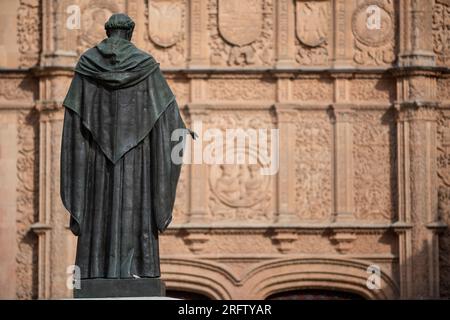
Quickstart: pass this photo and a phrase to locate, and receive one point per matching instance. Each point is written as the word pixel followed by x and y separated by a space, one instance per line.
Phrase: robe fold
pixel 118 180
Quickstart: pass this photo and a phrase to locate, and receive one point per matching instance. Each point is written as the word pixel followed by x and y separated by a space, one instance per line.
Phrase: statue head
pixel 120 25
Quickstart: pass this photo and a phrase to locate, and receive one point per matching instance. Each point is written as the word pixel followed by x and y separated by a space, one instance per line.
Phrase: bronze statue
pixel 118 181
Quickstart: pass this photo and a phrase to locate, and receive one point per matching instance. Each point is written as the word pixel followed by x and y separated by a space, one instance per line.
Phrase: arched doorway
pixel 314 294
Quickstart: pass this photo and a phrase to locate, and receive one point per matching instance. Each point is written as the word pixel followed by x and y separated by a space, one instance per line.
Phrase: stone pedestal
pixel 120 288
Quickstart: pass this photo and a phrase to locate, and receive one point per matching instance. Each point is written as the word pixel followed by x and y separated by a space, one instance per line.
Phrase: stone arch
pixel 203 277
pixel 345 275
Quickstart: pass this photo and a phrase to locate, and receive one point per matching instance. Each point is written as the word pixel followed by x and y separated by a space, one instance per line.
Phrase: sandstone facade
pixel 364 120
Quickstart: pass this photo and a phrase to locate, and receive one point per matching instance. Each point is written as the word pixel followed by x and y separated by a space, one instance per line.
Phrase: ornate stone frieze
pixel 313 156
pixel 441 31
pixel 241 89
pixel 320 89
pixel 443 89
pixel 17 89
pixel 443 164
pixel 374 137
pixel 372 89
pixel 29 32
pixel 424 113
pixel 27 205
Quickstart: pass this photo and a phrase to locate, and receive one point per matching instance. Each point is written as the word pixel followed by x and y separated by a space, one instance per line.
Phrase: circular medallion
pixel 373 24
pixel 240 185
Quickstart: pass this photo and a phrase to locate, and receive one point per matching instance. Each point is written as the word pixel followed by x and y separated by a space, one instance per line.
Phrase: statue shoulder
pixel 88 55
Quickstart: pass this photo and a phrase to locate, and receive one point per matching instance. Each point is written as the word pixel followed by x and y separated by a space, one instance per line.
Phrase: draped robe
pixel 118 181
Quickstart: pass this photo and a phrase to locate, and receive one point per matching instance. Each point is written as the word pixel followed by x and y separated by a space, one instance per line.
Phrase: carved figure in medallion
pixel 227 185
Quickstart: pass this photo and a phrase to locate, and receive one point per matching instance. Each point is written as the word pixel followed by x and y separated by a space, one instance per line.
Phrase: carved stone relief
pixel 313 154
pixel 444 166
pixel 313 23
pixel 443 89
pixel 181 202
pixel 180 88
pixel 59 87
pixel 374 40
pixel 94 14
pixel 28 32
pixel 374 160
pixel 241 32
pixel 241 89
pixel 441 31
pixel 239 191
pixel 27 205
pixel 166 29
pixel 314 89
pixel 372 89
pixel 419 88
pixel 22 89
pixel 443 162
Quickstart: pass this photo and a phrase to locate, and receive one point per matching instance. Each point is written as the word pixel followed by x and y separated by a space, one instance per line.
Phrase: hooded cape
pixel 117 178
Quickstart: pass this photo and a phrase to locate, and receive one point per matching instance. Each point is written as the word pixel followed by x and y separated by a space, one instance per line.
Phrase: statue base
pixel 115 288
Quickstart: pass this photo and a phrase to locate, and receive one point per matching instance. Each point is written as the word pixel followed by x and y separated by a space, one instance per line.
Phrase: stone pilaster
pixel 59 54
pixel 8 216
pixel 55 240
pixel 342 10
pixel 343 151
pixel 416 47
pixel 285 34
pixel 58 42
pixel 198 196
pixel 343 164
pixel 198 36
pixel 286 180
pixel 56 243
pixel 416 153
pixel 418 201
pixel 417 180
